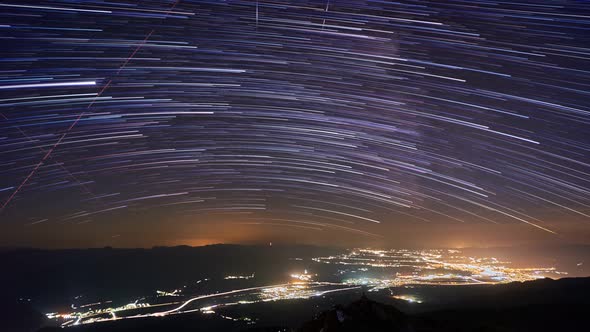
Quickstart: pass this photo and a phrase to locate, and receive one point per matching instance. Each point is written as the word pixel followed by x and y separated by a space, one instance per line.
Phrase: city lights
pixel 373 270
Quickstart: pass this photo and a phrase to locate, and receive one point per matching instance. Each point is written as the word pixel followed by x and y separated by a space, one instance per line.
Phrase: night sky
pixel 426 123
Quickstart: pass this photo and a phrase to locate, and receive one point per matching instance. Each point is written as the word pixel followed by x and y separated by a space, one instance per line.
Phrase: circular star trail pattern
pixel 302 115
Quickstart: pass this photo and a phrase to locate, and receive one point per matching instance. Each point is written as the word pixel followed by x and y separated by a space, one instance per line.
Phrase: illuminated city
pixel 430 267
pixel 372 270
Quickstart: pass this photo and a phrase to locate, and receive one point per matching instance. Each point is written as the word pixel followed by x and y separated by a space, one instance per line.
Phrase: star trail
pixel 311 117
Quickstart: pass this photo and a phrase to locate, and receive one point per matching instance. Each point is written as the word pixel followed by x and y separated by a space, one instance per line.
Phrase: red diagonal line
pixel 100 93
pixel 56 161
pixel 136 49
pixel 40 163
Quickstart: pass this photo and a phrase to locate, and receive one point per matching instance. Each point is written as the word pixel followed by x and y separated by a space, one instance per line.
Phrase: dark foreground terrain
pixel 542 305
pixel 38 281
pixel 368 315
